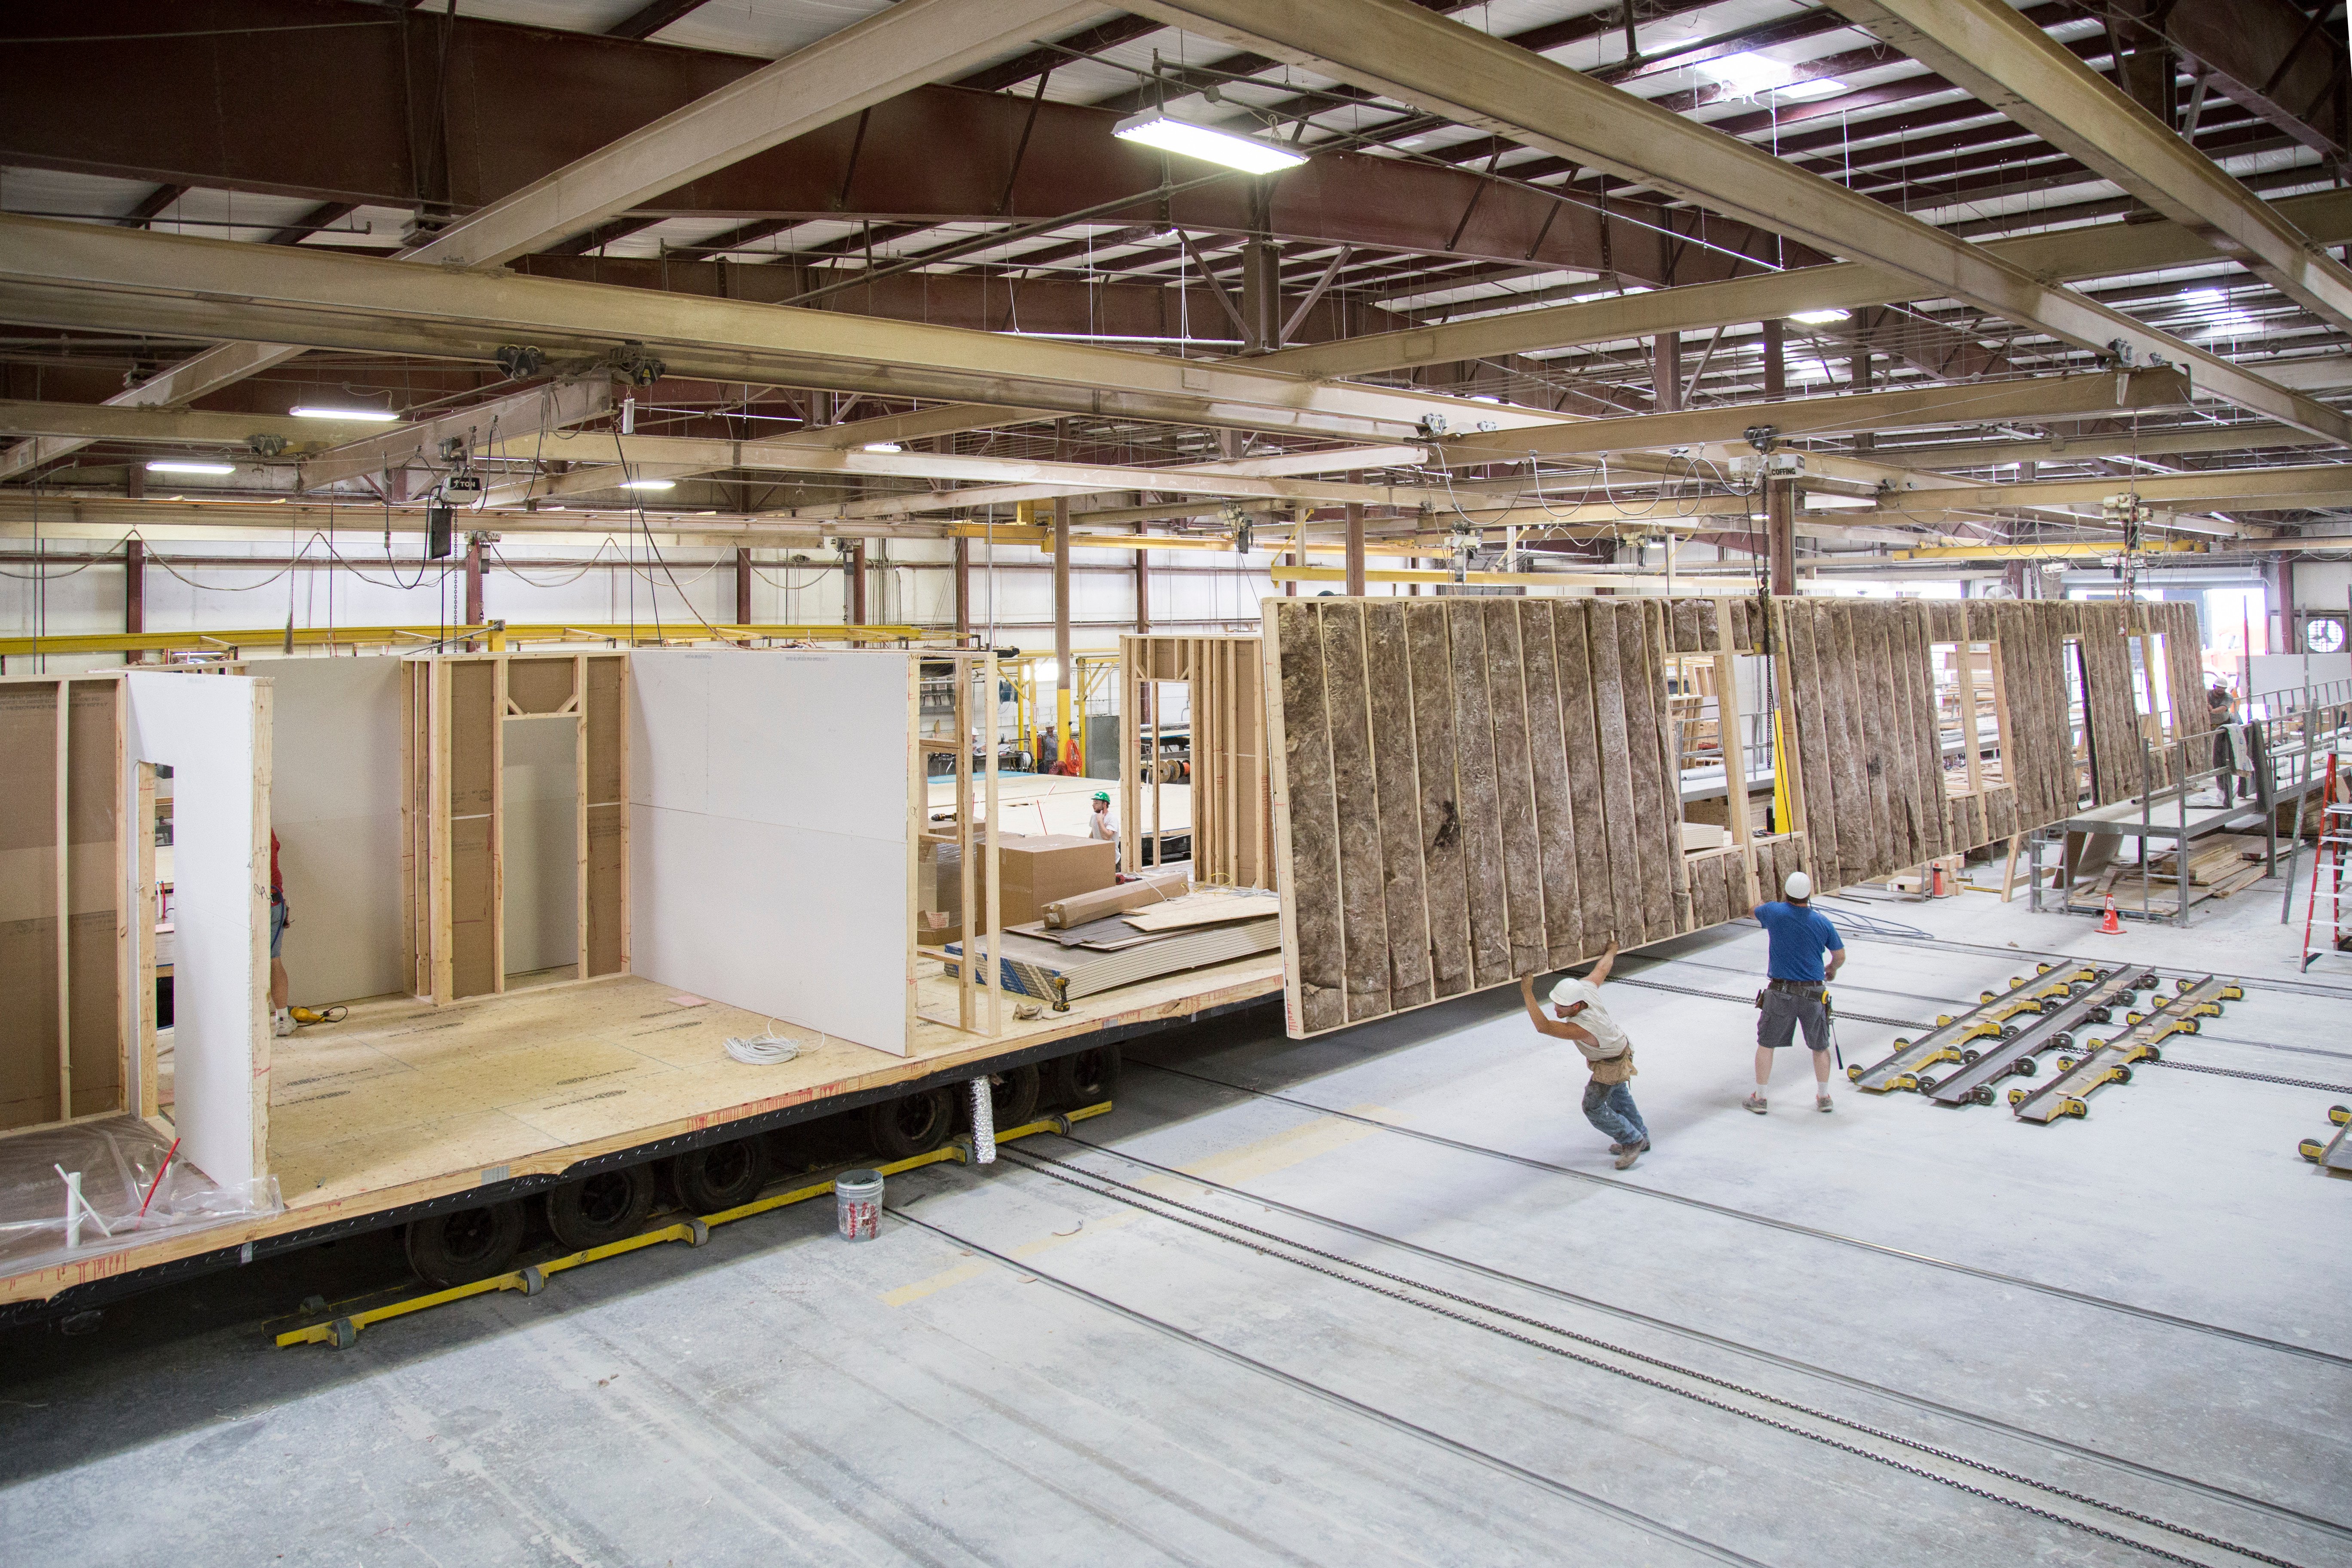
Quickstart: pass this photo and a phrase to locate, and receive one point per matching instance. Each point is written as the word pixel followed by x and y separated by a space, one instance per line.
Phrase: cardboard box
pixel 1037 868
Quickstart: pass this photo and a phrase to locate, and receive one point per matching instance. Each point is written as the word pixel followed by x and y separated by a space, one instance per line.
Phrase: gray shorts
pixel 1783 1011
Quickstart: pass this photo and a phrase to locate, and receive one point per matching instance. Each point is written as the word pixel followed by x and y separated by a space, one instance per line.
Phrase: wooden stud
pixel 1515 787
pixel 1731 726
pixel 1355 791
pixel 1563 932
pixel 1396 762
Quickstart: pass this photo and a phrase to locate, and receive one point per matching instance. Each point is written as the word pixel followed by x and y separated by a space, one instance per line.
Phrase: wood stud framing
pixel 972 831
pixel 456 709
pixel 66 977
pixel 1468 789
pixel 1233 834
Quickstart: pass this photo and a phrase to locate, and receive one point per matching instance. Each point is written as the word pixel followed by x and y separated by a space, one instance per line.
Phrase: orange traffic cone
pixel 2110 925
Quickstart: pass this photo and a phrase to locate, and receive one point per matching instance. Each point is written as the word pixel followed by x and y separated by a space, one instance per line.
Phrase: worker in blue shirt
pixel 1798 990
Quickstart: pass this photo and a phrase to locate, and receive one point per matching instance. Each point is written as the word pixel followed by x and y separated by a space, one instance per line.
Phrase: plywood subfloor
pixel 401 1092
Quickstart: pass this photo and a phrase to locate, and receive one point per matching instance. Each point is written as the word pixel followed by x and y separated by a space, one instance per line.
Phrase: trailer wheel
pixel 1013 1097
pixel 465 1245
pixel 604 1208
pixel 912 1124
pixel 1983 1095
pixel 721 1175
pixel 2023 1067
pixel 1083 1078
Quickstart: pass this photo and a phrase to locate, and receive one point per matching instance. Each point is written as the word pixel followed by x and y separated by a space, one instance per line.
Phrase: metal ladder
pixel 2327 887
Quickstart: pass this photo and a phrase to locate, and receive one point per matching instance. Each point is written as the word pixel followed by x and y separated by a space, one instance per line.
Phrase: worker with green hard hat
pixel 1101 825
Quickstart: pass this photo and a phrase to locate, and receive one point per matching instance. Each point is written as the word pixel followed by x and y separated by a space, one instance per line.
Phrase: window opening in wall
pixel 2078 720
pixel 2152 689
pixel 1970 716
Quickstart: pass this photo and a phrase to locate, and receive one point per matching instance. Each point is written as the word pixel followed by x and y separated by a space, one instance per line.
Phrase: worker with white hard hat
pixel 1797 991
pixel 1577 1016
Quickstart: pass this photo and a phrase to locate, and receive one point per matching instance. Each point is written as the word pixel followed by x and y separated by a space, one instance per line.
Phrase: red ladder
pixel 2327 874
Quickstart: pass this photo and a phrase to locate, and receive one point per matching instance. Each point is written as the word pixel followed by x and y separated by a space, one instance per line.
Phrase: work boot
pixel 1822 1101
pixel 1755 1102
pixel 1632 1152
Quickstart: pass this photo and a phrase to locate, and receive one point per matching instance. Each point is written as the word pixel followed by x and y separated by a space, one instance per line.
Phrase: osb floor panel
pixel 402 1091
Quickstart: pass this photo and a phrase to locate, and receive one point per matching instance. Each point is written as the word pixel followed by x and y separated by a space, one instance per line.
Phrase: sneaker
pixel 1755 1102
pixel 1821 1103
pixel 1632 1152
pixel 281 1024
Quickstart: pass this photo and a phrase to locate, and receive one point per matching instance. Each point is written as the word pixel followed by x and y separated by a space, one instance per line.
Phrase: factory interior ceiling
pixel 1967 277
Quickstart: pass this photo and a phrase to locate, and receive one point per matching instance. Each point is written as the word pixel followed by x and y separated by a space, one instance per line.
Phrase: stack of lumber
pixel 2224 864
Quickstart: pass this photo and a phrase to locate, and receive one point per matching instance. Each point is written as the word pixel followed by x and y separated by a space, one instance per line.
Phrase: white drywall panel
pixel 540 836
pixel 335 806
pixel 768 834
pixel 213 732
pixel 2288 672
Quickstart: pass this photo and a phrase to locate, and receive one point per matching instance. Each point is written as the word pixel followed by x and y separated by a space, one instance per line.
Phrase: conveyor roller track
pixel 2111 991
pixel 2111 1061
pixel 1949 1040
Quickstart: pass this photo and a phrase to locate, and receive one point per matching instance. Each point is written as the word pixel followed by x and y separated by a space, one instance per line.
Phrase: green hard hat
pixel 1102 796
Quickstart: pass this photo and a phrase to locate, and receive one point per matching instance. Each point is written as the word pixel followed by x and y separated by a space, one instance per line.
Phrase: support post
pixel 1775 358
pixel 474 580
pixel 1142 589
pixel 962 590
pixel 857 583
pixel 742 585
pixel 1355 542
pixel 1061 628
pixel 1780 533
pixel 134 594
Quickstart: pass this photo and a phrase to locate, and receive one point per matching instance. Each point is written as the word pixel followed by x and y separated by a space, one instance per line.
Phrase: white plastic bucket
pixel 857 1204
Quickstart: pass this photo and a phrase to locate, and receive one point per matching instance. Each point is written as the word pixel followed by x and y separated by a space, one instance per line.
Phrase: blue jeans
pixel 1610 1106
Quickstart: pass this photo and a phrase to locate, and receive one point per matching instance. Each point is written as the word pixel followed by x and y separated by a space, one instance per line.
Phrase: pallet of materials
pixel 2219 865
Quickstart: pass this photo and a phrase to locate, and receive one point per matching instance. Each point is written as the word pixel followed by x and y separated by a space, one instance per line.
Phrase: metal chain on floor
pixel 2255 1077
pixel 1040 1162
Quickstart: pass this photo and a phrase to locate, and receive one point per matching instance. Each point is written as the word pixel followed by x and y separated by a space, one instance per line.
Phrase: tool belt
pixel 1817 990
pixel 1618 1069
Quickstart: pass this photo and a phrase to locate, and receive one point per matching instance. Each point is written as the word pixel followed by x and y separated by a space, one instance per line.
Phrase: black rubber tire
pixel 2122 1073
pixel 2101 1016
pixel 720 1175
pixel 1082 1077
pixel 2023 1067
pixel 465 1245
pixel 1983 1095
pixel 1967 1058
pixel 1927 1086
pixel 912 1124
pixel 1013 1097
pixel 604 1207
pixel 2009 1031
pixel 2194 1026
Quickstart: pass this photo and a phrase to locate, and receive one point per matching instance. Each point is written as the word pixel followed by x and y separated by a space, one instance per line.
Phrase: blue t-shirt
pixel 1800 937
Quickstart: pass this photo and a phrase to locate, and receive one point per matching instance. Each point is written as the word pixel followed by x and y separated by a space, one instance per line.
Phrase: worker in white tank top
pixel 1579 1017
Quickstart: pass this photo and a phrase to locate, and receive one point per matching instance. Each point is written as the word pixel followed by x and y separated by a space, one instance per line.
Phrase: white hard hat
pixel 1798 887
pixel 1568 992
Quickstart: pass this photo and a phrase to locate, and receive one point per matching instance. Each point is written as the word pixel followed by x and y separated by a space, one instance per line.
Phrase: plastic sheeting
pixel 118 1159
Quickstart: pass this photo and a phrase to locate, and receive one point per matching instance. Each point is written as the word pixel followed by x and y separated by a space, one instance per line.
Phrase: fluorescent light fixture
pixel 1819 318
pixel 371 416
pixel 2206 297
pixel 881 446
pixel 649 484
pixel 1830 500
pixel 1813 87
pixel 172 466
pixel 1155 127
pixel 1750 75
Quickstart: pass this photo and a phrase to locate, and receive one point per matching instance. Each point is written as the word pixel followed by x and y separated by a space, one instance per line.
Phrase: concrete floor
pixel 779 1396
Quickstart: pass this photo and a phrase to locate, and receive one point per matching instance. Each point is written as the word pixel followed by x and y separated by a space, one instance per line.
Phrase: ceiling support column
pixel 1780 533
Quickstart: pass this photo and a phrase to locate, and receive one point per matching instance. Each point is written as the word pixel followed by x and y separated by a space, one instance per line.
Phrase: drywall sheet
pixel 335 808
pixel 768 820
pixel 214 733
